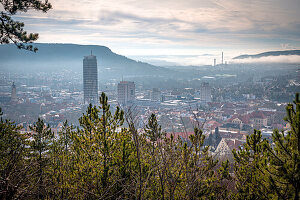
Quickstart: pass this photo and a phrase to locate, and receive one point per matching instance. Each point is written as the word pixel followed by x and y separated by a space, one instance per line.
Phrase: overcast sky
pixel 171 27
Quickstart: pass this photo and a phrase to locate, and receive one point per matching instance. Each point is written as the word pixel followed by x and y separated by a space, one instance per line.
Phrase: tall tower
pixel 90 79
pixel 126 92
pixel 13 92
pixel 222 58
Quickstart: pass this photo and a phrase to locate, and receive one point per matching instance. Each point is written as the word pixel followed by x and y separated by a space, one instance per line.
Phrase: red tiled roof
pixel 259 115
pixel 244 118
pixel 233 144
pixel 181 134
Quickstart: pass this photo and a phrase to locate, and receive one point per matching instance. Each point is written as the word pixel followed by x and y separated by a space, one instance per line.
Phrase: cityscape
pixel 173 99
pixel 231 111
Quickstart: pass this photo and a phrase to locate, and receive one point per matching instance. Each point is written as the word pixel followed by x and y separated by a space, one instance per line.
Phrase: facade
pixel 155 95
pixel 90 79
pixel 205 92
pixel 13 93
pixel 126 92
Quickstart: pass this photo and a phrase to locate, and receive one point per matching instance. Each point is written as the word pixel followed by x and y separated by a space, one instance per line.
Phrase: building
pixel 14 93
pixel 90 79
pixel 155 95
pixel 205 92
pixel 258 120
pixel 126 92
pixel 222 58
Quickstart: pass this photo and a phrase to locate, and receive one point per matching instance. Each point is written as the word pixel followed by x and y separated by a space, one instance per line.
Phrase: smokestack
pixel 222 58
pixel 215 62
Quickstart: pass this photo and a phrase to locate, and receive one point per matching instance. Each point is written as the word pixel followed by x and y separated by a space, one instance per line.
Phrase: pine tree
pixel 95 147
pixel 157 171
pixel 13 31
pixel 61 163
pixel 42 137
pixel 284 157
pixel 249 165
pixel 14 169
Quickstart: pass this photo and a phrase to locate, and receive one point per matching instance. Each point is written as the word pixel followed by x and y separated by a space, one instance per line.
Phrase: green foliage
pixel 13 166
pixel 284 157
pixel 61 163
pixel 271 171
pixel 249 168
pixel 97 152
pixel 13 31
pixel 103 160
pixel 42 137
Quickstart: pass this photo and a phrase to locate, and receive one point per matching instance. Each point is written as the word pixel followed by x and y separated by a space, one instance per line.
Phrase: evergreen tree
pixel 284 157
pixel 95 147
pixel 157 171
pixel 13 31
pixel 249 166
pixel 41 140
pixel 14 172
pixel 61 163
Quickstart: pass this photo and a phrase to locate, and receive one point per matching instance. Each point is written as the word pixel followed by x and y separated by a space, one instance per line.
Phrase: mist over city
pixel 149 99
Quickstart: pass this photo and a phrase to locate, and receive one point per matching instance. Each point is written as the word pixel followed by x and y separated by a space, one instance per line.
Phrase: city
pixel 173 99
pixel 232 111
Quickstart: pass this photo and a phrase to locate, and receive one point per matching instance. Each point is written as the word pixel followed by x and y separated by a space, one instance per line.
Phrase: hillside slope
pixel 53 57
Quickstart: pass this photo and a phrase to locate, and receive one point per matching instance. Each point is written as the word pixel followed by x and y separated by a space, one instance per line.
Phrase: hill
pixel 270 53
pixel 53 57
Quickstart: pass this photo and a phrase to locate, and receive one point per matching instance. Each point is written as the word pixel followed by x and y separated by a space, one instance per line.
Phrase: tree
pixel 284 156
pixel 42 137
pixel 249 168
pixel 61 163
pixel 13 31
pixel 97 147
pixel 13 167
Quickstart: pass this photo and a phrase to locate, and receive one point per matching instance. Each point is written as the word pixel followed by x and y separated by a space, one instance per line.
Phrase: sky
pixel 182 32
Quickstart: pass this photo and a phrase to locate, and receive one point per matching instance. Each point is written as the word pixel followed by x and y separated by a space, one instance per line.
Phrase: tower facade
pixel 126 92
pixel 90 79
pixel 222 58
pixel 13 92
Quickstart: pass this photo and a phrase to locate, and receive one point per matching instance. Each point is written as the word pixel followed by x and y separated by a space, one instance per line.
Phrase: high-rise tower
pixel 13 92
pixel 90 79
pixel 222 58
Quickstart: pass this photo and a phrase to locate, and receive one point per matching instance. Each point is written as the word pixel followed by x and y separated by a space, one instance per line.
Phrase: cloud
pixel 293 59
pixel 218 24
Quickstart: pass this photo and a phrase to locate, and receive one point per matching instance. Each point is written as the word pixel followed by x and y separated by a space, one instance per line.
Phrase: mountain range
pixel 270 53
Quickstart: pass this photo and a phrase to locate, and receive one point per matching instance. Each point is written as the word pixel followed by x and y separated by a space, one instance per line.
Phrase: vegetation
pixel 102 160
pixel 13 31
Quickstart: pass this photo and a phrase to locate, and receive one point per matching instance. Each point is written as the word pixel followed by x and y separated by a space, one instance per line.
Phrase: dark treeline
pixel 101 160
